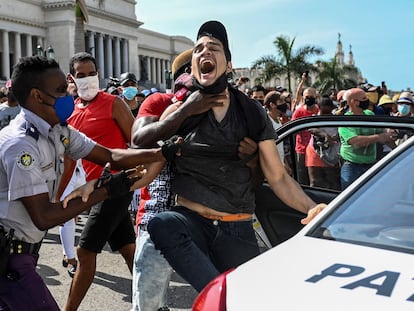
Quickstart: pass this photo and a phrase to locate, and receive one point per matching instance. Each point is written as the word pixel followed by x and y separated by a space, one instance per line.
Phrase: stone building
pixel 108 29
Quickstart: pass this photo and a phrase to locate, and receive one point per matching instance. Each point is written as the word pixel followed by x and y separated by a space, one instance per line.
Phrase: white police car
pixel 357 254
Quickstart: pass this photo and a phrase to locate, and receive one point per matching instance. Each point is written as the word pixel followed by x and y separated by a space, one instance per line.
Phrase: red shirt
pixel 96 121
pixel 154 105
pixel 303 137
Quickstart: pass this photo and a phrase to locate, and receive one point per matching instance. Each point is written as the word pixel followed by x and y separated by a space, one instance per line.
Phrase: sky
pixel 381 32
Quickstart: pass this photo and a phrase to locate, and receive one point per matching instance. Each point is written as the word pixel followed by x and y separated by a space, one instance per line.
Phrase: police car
pixel 357 254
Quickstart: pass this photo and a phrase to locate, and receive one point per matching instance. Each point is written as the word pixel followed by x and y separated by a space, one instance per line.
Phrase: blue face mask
pixel 130 92
pixel 404 109
pixel 64 106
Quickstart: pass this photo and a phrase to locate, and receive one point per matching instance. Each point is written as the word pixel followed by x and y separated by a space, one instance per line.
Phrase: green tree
pixel 289 62
pixel 332 75
pixel 81 13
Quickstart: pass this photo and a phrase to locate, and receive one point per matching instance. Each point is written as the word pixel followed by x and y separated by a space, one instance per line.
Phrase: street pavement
pixel 111 288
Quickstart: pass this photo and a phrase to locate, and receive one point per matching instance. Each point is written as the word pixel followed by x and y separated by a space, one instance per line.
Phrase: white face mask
pixel 88 87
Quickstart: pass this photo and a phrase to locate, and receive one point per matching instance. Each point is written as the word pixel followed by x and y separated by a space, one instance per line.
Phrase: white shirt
pixel 30 150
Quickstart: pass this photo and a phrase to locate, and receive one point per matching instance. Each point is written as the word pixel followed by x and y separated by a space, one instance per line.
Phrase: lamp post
pixel 39 50
pixel 168 79
pixel 49 53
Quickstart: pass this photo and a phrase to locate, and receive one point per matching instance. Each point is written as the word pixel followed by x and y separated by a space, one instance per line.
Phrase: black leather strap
pixel 20 247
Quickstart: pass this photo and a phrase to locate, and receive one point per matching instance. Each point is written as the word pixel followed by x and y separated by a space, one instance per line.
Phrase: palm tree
pixel 81 13
pixel 287 61
pixel 333 75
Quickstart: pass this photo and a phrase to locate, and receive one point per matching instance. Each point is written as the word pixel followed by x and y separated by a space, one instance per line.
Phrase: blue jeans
pixel 151 276
pixel 199 249
pixel 351 171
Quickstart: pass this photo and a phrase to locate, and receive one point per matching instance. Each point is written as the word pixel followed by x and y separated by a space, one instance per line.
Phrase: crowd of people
pixel 186 163
pixel 334 157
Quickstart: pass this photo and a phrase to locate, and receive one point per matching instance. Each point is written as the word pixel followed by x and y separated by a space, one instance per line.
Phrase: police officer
pixel 30 151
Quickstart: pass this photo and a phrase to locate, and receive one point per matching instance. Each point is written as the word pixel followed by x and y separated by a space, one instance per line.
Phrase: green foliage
pixel 331 75
pixel 287 60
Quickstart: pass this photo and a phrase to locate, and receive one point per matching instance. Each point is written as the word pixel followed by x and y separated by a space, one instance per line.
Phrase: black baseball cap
pixel 127 76
pixel 216 30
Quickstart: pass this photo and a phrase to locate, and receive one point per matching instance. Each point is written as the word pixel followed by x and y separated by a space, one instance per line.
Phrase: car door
pixel 279 221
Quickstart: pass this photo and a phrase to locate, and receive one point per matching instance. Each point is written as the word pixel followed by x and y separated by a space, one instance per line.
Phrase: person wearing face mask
pixel 129 90
pixel 276 107
pixel 258 93
pixel 359 145
pixel 108 120
pixel 306 109
pixel 30 170
pixel 405 104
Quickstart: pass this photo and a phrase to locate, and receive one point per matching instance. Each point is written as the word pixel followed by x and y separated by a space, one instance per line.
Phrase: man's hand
pixel 247 148
pixel 84 192
pixel 171 147
pixel 113 182
pixel 198 103
pixel 313 212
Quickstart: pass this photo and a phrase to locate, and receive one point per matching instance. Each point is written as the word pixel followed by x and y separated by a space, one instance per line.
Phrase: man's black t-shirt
pixel 209 170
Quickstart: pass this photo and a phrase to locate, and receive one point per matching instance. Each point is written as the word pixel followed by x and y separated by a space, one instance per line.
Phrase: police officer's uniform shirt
pixel 30 150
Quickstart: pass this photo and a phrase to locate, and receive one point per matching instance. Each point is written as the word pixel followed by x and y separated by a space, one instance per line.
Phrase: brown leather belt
pixel 229 218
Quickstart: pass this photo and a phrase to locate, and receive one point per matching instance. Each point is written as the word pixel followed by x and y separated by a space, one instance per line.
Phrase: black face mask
pixel 364 104
pixel 216 88
pixel 310 101
pixel 282 108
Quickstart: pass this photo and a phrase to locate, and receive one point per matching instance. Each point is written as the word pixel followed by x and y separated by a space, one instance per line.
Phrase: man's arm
pixel 46 215
pixel 69 166
pixel 123 117
pixel 146 176
pixel 196 103
pixel 299 90
pixel 284 186
pixel 382 138
pixel 124 158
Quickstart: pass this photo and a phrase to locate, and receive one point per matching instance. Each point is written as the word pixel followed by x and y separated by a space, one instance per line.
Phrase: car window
pixel 324 157
pixel 381 212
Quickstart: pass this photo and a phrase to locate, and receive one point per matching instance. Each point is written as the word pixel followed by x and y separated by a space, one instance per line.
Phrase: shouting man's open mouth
pixel 207 66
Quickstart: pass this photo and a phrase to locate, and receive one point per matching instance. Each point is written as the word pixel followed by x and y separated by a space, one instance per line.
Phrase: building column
pixel 153 71
pixel 17 47
pixel 101 56
pixel 117 57
pixel 139 68
pixel 168 68
pixel 5 60
pixel 158 70
pixel 29 45
pixel 149 68
pixel 162 72
pixel 108 57
pixel 125 66
pixel 91 43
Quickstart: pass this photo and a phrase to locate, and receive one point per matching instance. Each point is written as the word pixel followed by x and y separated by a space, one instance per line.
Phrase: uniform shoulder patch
pixel 25 160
